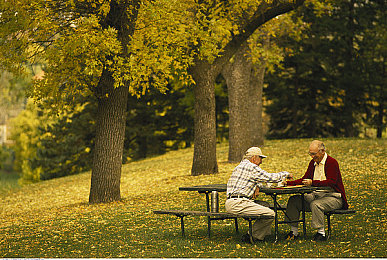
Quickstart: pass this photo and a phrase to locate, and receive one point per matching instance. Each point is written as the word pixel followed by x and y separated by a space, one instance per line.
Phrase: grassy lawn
pixel 52 219
pixel 8 181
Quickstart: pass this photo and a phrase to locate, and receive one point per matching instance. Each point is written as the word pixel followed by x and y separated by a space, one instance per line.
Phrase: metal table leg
pixel 208 218
pixel 329 224
pixel 207 202
pixel 182 224
pixel 236 225
pixel 275 218
pixel 251 231
pixel 303 214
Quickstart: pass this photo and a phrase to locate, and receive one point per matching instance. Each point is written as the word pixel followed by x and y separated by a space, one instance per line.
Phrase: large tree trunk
pixel 257 82
pixel 257 87
pixel 111 117
pixel 204 160
pixel 244 86
pixel 109 142
pixel 237 75
pixel 205 138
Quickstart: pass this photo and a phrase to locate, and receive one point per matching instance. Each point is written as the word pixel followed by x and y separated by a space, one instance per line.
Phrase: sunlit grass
pixel 53 219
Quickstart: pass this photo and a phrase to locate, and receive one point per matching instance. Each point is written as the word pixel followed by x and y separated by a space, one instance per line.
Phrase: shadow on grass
pixel 8 181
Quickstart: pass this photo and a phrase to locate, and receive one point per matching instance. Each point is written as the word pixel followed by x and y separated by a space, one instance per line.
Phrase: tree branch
pixel 264 13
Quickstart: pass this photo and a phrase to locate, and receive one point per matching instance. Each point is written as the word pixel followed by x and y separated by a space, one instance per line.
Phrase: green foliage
pixel 160 46
pixel 71 39
pixel 8 181
pixel 26 133
pixel 221 109
pixel 12 95
pixel 12 90
pixel 266 43
pixel 75 64
pixel 65 145
pixel 373 53
pixel 49 146
pixel 52 219
pixel 321 90
pixel 68 37
pixel 5 157
pixel 159 122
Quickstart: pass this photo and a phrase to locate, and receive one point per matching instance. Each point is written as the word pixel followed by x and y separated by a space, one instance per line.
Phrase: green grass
pixel 52 218
pixel 8 181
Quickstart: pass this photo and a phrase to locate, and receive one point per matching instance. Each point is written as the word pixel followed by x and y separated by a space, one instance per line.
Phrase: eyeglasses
pixel 313 154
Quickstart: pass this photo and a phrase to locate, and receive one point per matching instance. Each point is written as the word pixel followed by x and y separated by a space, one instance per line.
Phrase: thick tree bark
pixel 111 117
pixel 244 84
pixel 237 75
pixel 109 142
pixel 204 160
pixel 257 84
pixel 204 151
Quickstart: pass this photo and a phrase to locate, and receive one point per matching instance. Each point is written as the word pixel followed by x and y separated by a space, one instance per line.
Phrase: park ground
pixel 52 219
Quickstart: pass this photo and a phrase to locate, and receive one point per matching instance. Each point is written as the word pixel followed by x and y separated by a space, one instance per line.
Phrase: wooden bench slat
pixel 341 211
pixel 336 211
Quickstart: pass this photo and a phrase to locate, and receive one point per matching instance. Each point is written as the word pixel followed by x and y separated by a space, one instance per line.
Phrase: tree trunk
pixel 204 161
pixel 109 142
pixel 257 78
pixel 111 112
pixel 237 75
pixel 245 103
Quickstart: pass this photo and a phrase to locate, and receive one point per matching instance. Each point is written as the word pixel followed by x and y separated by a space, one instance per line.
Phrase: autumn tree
pixel 199 37
pixel 84 45
pixel 244 74
pixel 205 68
pixel 91 48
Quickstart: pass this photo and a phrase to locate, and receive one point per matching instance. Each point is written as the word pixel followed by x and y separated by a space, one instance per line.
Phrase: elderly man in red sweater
pixel 323 170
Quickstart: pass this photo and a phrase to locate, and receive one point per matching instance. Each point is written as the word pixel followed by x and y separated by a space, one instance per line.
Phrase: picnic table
pixel 273 192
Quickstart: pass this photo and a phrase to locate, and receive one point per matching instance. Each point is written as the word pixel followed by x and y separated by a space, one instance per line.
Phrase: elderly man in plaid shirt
pixel 243 187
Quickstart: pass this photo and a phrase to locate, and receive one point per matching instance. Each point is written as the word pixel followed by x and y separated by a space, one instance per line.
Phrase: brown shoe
pixel 246 239
pixel 319 237
pixel 291 236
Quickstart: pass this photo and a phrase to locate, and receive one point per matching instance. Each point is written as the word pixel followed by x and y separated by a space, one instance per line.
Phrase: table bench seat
pixel 212 216
pixel 224 215
pixel 328 214
pixel 339 212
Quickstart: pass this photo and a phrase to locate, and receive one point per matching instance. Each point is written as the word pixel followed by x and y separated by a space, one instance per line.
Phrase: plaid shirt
pixel 247 176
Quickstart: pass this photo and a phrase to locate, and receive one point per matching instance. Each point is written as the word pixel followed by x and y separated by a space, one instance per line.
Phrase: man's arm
pixel 261 175
pixel 308 175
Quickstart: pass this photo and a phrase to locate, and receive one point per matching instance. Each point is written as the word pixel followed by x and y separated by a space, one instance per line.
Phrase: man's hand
pixel 290 176
pixel 256 192
pixel 307 182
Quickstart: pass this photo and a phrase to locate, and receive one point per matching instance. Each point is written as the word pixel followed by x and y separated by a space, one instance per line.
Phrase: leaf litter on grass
pixel 55 215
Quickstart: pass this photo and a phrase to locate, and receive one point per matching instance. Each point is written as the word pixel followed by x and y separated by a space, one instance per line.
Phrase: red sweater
pixel 333 175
